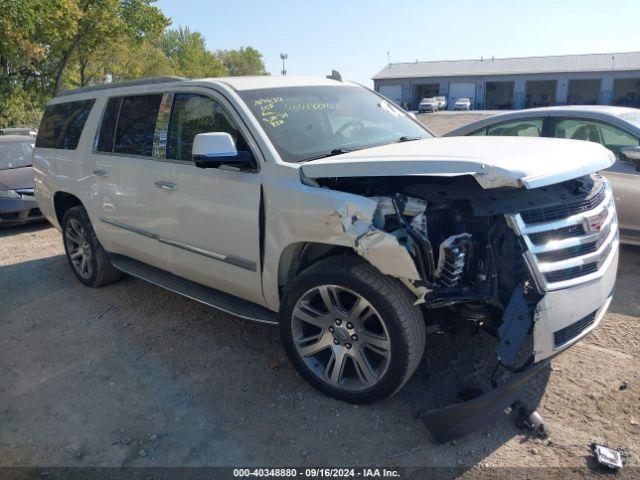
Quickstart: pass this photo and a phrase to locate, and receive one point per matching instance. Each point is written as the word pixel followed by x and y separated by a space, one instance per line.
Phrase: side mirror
pixel 631 154
pixel 211 150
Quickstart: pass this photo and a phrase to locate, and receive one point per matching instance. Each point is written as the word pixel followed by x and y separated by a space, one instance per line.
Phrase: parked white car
pixel 318 206
pixel 442 102
pixel 428 105
pixel 462 104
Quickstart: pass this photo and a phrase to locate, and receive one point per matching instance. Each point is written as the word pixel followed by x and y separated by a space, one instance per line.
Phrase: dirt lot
pixel 443 122
pixel 134 375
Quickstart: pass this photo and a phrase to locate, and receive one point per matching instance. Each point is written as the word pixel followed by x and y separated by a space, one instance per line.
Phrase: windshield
pixel 305 123
pixel 15 154
pixel 632 118
pixel 462 100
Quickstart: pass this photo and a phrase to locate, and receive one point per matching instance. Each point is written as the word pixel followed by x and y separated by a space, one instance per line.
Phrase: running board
pixel 209 296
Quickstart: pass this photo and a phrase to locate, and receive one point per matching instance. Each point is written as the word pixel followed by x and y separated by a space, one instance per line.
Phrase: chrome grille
pixel 572 249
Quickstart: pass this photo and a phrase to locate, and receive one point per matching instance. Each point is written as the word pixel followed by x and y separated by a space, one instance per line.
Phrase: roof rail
pixel 126 83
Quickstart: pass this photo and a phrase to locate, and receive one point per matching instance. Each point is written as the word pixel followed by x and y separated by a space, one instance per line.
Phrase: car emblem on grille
pixel 595 222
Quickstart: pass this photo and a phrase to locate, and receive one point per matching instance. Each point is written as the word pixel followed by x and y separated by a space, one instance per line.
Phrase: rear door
pixel 624 178
pixel 131 209
pixel 216 240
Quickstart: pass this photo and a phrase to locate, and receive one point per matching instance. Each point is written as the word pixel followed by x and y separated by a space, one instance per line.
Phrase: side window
pixel 577 129
pixel 62 124
pixel 478 133
pixel 136 125
pixel 593 131
pixel 615 139
pixel 192 114
pixel 108 125
pixel 529 127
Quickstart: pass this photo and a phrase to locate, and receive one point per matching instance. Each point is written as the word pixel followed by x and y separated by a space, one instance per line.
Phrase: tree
pixel 46 46
pixel 188 54
pixel 108 21
pixel 246 61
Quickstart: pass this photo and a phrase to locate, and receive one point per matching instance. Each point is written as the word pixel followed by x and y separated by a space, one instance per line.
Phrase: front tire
pixel 88 260
pixel 350 331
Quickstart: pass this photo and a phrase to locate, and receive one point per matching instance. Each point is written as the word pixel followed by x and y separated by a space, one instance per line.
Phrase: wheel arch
pixel 301 255
pixel 63 201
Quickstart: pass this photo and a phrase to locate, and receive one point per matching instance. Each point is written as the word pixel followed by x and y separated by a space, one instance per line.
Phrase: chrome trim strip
pixel 569 242
pixel 591 276
pixel 237 261
pixel 138 231
pixel 580 260
pixel 230 259
pixel 577 219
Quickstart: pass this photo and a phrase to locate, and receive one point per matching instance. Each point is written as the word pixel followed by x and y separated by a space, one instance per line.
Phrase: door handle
pixel 100 173
pixel 167 186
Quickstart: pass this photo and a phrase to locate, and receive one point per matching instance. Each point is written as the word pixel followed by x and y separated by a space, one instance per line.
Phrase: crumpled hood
pixel 493 161
pixel 17 178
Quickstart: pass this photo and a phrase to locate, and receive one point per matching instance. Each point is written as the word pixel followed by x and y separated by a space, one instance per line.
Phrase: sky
pixel 354 36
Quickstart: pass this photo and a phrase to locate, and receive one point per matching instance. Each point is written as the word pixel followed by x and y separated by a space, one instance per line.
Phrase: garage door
pixel 392 92
pixel 461 90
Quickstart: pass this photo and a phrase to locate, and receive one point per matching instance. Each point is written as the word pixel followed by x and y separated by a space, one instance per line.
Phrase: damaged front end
pixel 534 268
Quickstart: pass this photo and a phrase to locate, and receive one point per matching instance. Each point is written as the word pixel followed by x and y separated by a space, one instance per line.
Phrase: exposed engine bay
pixel 468 267
pixel 469 261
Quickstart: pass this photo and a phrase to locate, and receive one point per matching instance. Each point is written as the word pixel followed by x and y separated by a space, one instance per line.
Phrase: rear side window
pixel 62 124
pixel 128 125
pixel 530 127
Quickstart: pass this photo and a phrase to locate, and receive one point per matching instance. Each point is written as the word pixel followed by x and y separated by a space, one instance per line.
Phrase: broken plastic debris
pixel 530 420
pixel 607 456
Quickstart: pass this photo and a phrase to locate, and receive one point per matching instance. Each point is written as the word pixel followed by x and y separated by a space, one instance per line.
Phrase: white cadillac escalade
pixel 318 205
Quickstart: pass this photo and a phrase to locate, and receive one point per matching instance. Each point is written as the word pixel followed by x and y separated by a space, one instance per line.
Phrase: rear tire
pixel 88 260
pixel 344 310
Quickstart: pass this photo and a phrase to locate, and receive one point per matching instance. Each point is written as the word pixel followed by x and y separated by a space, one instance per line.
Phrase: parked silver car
pixel 17 203
pixel 617 128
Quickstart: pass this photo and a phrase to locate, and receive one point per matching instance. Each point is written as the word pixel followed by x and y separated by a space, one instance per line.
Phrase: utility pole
pixel 283 57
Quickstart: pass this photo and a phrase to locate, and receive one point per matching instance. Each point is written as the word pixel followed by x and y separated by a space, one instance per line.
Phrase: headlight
pixel 12 194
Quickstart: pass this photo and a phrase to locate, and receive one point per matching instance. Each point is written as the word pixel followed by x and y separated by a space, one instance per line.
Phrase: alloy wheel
pixel 341 338
pixel 78 248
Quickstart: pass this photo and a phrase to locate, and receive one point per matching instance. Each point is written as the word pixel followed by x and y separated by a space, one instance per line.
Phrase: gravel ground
pixel 443 122
pixel 133 375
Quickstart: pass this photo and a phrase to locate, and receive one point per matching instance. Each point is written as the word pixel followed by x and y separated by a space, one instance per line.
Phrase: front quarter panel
pixel 296 213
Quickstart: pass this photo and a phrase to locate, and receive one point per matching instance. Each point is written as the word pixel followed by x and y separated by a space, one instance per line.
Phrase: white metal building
pixel 507 83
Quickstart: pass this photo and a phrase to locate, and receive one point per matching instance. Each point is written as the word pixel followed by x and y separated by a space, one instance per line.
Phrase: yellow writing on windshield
pixel 309 106
pixel 271 110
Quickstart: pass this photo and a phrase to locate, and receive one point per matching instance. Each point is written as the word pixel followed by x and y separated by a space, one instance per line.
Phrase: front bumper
pixel 19 211
pixel 454 421
pixel 562 317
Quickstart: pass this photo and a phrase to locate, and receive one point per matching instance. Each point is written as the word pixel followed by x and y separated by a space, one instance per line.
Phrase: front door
pixel 216 238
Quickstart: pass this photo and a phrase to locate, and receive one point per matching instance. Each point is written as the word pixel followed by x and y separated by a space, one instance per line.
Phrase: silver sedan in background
pixel 17 203
pixel 617 128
